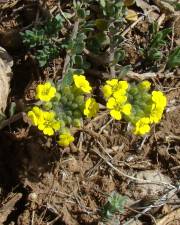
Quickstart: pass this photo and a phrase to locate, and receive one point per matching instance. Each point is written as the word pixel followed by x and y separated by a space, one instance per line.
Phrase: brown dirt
pixel 69 186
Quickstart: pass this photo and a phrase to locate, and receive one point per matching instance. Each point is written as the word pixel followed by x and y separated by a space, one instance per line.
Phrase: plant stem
pixel 68 55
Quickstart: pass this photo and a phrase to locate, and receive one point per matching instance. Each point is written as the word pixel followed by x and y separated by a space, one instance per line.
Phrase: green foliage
pixel 76 43
pixel 177 6
pixel 154 50
pixel 108 25
pixel 43 40
pixel 124 70
pixel 115 204
pixel 114 9
pixel 174 58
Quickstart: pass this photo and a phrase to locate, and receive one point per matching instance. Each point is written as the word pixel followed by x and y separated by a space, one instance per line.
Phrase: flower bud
pixel 69 113
pixel 139 113
pixel 68 120
pixel 69 103
pixel 64 130
pixel 146 97
pixel 57 97
pixel 76 122
pixel 62 123
pixel 74 106
pixel 133 91
pixel 79 100
pixel 47 106
pixel 77 114
pixel 70 97
pixel 66 91
pixel 64 100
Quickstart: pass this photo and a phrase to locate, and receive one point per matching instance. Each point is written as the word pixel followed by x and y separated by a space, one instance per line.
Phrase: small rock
pixel 153 190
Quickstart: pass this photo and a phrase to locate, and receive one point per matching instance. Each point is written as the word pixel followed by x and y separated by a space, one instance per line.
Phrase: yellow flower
pixel 145 85
pixel 81 83
pixel 45 92
pixel 112 82
pixel 117 107
pixel 121 99
pixel 115 114
pixel 156 114
pixel 123 85
pixel 126 109
pixel 49 125
pixel 159 99
pixel 107 91
pixel 115 88
pixel 142 126
pixel 35 115
pixel 91 107
pixel 65 139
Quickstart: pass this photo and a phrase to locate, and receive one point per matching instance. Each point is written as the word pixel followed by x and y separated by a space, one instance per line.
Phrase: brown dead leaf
pixel 165 6
pixel 131 15
pixel 129 2
pixel 8 207
pixel 152 15
pixel 5 76
pixel 170 219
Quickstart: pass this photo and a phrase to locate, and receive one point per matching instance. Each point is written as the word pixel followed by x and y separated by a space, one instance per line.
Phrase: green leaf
pixel 79 60
pixel 119 56
pixel 177 6
pixel 114 204
pixel 12 109
pixel 68 78
pixel 81 13
pixel 103 3
pixel 54 25
pixel 159 38
pixel 174 58
pixel 124 71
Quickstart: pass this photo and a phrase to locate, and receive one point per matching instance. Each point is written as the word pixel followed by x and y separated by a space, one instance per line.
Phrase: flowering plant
pixel 62 107
pixel 134 103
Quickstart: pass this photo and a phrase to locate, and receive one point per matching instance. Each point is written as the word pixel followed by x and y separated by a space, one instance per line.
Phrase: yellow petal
pixel 47 85
pixel 115 114
pixel 56 125
pixel 107 90
pixel 41 126
pixel 33 118
pixel 127 109
pixel 48 131
pixel 112 82
pixel 111 103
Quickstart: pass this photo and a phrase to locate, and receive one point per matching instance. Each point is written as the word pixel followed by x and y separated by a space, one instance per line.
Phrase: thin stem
pixel 69 54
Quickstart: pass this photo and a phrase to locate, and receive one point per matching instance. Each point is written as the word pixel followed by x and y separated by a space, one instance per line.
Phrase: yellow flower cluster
pixel 59 110
pixel 45 121
pixel 134 103
pixel 158 103
pixel 116 94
